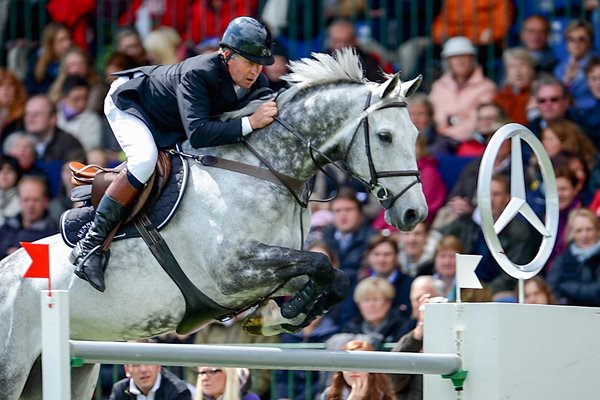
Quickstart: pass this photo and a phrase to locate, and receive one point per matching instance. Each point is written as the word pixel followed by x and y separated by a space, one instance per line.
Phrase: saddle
pixel 159 198
pixel 90 182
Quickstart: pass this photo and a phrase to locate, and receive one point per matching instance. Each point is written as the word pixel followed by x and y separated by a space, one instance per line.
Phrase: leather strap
pixel 250 170
pixel 198 306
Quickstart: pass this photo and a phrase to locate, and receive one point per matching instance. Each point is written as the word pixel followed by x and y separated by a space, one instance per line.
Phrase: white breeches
pixel 133 135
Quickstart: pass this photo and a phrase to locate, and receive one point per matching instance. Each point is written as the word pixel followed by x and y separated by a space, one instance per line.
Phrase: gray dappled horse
pixel 235 236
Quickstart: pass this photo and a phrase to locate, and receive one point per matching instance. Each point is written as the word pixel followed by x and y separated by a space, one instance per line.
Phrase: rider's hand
pixel 264 115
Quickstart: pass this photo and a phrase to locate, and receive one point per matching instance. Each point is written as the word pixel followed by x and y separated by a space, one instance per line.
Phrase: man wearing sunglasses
pixel 552 103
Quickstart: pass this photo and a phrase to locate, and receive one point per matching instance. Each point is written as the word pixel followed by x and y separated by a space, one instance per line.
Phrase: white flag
pixel 465 271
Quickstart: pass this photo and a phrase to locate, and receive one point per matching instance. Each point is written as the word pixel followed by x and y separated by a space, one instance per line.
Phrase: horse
pixel 237 237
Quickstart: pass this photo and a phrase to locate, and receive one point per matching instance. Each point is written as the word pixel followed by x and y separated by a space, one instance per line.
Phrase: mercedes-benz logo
pixel 517 204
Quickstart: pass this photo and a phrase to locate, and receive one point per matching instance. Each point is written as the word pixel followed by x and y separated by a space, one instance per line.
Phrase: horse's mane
pixel 343 66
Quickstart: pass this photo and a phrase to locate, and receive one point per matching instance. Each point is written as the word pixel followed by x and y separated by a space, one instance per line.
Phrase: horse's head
pixel 381 153
pixel 332 113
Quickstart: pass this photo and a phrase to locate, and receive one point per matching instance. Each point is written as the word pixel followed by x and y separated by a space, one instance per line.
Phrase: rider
pixel 152 107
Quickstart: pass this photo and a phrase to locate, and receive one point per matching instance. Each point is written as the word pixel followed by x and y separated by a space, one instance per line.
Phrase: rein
pixel 385 196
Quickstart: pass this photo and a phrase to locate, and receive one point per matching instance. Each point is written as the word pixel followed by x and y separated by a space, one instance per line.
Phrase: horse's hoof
pixel 301 302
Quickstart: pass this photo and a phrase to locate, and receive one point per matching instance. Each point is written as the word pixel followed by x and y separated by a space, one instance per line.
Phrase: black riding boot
pixel 88 255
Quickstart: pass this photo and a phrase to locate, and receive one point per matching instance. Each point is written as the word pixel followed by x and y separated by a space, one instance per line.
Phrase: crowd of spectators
pixel 51 113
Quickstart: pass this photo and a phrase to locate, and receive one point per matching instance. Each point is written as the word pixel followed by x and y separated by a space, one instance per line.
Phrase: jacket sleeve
pixel 201 128
pixel 406 344
pixel 582 291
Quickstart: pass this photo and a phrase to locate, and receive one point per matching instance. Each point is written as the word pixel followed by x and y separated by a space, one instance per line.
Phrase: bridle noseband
pixel 385 196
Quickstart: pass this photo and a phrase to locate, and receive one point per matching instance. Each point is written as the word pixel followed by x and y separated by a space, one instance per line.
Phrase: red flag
pixel 40 260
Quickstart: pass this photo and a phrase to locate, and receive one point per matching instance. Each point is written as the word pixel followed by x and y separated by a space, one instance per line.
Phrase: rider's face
pixel 243 71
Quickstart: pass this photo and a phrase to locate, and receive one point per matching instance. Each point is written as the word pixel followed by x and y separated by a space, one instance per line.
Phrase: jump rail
pixel 58 350
pixel 263 357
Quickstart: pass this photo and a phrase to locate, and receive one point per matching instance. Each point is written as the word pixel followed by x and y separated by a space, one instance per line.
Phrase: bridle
pixel 385 196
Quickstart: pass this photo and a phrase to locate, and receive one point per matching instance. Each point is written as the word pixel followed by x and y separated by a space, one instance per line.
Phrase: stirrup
pixel 80 270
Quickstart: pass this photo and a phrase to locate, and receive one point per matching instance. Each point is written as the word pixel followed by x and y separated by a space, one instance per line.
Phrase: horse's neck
pixel 318 116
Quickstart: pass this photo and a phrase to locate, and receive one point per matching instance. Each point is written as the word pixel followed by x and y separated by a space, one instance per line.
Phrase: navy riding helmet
pixel 248 37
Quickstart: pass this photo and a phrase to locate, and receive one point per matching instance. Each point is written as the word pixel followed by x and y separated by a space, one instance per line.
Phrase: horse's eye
pixel 385 137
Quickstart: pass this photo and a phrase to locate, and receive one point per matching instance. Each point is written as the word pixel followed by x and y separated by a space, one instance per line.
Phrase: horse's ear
pixel 410 87
pixel 388 86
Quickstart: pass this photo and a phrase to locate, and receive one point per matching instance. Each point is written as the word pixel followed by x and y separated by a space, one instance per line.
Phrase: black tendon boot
pixel 88 255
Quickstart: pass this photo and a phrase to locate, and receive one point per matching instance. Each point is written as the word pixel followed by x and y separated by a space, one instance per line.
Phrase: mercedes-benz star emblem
pixel 517 204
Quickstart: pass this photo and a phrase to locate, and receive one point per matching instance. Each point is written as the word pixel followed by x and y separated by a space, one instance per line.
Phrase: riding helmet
pixel 248 37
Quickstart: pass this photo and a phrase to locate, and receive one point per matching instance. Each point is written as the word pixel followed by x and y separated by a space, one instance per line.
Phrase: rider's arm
pixel 194 96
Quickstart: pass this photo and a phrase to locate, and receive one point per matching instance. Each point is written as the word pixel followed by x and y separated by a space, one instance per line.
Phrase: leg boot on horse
pixel 89 256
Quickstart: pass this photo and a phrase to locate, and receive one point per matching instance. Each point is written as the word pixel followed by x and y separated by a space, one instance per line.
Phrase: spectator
pixel 490 116
pixel 565 136
pixel 591 116
pixel 209 18
pixel 381 260
pixel 349 235
pixel 462 196
pixel 10 174
pixel 224 383
pixel 410 386
pixel 404 44
pixel 76 62
pixel 54 144
pixel 417 249
pixel 580 39
pixel 12 104
pixel 149 382
pixel 129 42
pixel 341 33
pixel 32 223
pixel 518 239
pixel 537 291
pixel 232 332
pixel 21 146
pixel 275 71
pixel 377 318
pixel 444 266
pixel 319 330
pixel 162 46
pixel 456 95
pixel 515 94
pixel 574 276
pixel 74 117
pixel 347 385
pixel 43 67
pixel 484 22
pixel 566 145
pixel 568 200
pixel 552 103
pixel 421 114
pixel 534 37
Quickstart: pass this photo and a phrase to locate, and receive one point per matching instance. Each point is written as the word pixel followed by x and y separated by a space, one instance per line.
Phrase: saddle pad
pixel 74 223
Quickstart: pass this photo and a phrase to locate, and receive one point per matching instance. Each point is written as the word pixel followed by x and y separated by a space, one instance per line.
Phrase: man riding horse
pixel 151 107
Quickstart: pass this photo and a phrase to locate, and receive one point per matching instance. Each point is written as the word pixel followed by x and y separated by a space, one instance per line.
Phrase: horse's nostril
pixel 410 216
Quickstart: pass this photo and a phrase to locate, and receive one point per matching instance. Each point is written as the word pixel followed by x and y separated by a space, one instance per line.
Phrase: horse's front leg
pixel 272 266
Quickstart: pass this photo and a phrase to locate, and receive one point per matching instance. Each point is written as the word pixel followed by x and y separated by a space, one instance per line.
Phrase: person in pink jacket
pixel 460 90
